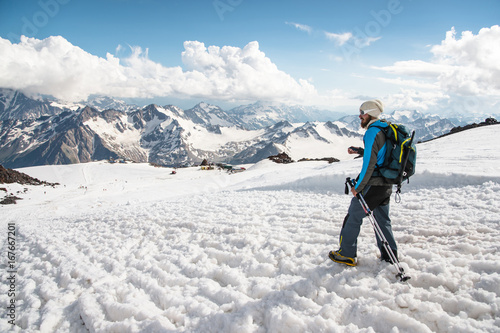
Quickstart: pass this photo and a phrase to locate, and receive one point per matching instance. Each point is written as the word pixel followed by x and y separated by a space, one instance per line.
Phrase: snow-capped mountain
pixel 260 114
pixel 37 132
pixel 426 126
pixel 163 135
pixel 16 105
pixel 211 116
pixel 69 137
pixel 105 103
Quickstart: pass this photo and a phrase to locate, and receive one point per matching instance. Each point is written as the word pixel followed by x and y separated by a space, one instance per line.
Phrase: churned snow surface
pixel 133 248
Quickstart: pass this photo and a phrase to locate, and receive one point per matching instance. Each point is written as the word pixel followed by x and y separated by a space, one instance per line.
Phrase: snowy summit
pixel 133 248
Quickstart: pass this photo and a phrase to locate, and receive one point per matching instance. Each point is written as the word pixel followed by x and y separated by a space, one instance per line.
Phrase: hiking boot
pixel 335 256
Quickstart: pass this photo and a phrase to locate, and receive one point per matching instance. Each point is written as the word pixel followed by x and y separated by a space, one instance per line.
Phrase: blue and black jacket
pixel 374 155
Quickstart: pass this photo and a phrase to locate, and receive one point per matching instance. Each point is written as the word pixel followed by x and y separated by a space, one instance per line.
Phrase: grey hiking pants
pixel 377 198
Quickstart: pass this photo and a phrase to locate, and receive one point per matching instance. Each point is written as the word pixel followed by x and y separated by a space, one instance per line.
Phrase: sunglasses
pixel 361 112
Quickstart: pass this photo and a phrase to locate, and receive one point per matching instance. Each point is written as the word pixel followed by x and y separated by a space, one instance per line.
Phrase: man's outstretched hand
pixel 354 150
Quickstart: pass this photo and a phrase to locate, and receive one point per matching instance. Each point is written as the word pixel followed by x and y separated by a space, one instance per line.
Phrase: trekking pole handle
pixel 351 183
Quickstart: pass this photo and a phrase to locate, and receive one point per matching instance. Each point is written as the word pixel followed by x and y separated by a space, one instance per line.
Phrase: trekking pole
pixel 378 232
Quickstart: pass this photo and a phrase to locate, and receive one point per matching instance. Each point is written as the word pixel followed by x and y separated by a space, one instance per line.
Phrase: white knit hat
pixel 374 108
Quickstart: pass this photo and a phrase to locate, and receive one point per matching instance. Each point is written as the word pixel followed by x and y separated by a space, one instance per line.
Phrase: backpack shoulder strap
pixel 392 135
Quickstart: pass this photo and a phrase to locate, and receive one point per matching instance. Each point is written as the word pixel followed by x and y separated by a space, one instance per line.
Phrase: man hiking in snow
pixel 375 190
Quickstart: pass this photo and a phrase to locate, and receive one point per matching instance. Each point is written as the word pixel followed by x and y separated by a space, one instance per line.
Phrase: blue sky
pixel 434 56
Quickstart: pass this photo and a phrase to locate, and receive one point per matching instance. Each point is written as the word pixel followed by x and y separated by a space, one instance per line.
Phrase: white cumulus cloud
pixel 55 67
pixel 464 66
pixel 246 73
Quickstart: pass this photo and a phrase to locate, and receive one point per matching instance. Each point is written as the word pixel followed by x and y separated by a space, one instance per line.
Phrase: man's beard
pixel 365 122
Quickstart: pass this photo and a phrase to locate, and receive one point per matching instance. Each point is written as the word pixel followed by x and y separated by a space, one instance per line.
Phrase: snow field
pixel 203 251
pixel 257 265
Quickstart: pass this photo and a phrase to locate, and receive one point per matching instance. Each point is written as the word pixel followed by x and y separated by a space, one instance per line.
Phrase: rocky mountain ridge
pixel 167 135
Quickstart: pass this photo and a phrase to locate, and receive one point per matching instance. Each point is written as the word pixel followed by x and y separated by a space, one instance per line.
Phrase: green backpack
pixel 401 155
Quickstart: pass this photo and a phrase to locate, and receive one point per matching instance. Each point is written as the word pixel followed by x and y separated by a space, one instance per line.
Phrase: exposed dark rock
pixel 281 158
pixel 9 176
pixel 486 122
pixel 10 200
pixel 328 159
